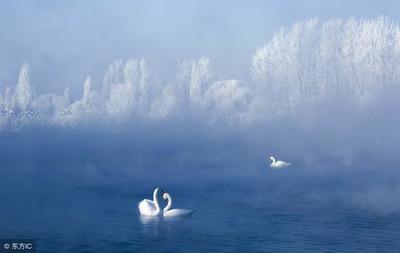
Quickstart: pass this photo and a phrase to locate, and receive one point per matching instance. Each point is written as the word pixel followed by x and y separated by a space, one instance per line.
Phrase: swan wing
pixel 178 212
pixel 280 164
pixel 147 207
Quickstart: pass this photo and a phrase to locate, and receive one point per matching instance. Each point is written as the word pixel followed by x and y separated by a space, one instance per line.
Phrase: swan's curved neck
pixel 273 160
pixel 169 205
pixel 155 200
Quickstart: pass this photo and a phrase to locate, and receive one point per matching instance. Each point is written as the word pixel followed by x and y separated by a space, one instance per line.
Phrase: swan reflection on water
pixel 161 225
pixel 149 220
pixel 151 224
pixel 152 221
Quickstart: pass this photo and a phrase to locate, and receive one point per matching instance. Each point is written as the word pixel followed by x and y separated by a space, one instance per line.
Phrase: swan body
pixel 278 164
pixel 167 212
pixel 150 208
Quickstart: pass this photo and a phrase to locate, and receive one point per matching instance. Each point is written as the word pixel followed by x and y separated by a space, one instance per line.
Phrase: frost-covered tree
pixel 195 78
pixel 8 99
pixel 112 76
pixel 128 89
pixel 311 61
pixel 338 62
pixel 23 91
pixel 86 91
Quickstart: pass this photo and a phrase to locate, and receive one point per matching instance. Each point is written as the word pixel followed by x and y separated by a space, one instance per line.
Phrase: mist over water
pixel 329 87
pixel 322 95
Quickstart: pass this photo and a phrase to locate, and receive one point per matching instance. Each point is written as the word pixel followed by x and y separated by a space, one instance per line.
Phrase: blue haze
pixel 195 106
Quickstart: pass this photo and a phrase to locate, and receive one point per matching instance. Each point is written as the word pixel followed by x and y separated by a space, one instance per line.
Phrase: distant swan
pixel 278 164
pixel 150 208
pixel 174 212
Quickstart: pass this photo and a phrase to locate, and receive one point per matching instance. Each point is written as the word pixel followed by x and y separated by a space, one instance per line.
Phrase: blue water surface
pixel 268 211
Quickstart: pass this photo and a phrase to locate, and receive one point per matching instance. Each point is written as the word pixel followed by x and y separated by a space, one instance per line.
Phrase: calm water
pixel 267 212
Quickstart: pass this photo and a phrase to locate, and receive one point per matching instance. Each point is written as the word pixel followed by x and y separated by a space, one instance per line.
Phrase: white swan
pixel 174 212
pixel 278 164
pixel 150 208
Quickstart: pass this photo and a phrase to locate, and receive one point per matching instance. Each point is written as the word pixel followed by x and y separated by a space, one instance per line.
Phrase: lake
pixel 81 209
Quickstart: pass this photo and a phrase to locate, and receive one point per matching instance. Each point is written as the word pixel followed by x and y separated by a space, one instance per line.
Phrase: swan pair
pixel 152 208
